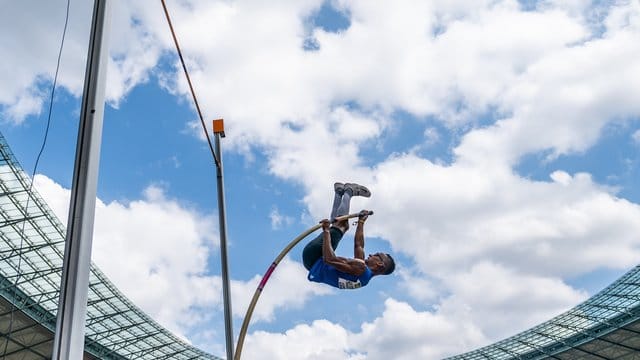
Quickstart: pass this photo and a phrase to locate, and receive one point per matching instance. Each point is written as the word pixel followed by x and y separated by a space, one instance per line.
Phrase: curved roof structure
pixel 606 326
pixel 31 254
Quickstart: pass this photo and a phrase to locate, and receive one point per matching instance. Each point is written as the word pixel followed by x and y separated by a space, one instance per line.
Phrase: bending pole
pixel 265 278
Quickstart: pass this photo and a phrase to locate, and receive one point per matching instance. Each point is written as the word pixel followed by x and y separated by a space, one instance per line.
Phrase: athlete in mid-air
pixel 344 273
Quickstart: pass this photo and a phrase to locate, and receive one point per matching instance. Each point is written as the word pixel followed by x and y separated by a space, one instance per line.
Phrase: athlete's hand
pixel 325 224
pixel 363 215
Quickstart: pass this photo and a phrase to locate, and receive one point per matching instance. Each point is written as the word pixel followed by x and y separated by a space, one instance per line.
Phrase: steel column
pixel 72 307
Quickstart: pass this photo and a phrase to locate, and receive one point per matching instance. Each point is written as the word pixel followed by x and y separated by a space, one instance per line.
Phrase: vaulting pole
pixel 72 307
pixel 267 275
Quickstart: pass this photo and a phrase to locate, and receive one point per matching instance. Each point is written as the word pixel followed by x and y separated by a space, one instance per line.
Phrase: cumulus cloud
pixel 563 101
pixel 636 136
pixel 28 72
pixel 496 296
pixel 165 245
pixel 288 288
pixel 136 243
pixel 418 285
pixel 29 67
pixel 404 333
pixel 459 215
pixel 399 333
pixel 278 220
pixel 320 340
pixel 510 82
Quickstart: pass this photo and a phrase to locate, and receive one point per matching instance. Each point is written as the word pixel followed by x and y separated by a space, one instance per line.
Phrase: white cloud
pixel 320 340
pixel 563 101
pixel 56 196
pixel 496 297
pixel 552 81
pixel 154 241
pixel 417 285
pixel 278 220
pixel 34 53
pixel 134 51
pixel 452 217
pixel 404 333
pixel 636 136
pixel 399 333
pixel 624 17
pixel 288 287
pixel 431 136
pixel 164 245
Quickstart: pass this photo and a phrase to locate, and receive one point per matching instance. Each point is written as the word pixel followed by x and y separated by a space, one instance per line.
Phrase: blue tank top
pixel 327 274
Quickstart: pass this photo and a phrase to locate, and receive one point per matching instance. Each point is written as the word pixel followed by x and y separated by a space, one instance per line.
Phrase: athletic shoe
pixel 338 188
pixel 358 190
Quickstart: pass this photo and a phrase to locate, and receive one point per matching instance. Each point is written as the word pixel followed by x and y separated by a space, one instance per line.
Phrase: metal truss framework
pixel 31 254
pixel 606 326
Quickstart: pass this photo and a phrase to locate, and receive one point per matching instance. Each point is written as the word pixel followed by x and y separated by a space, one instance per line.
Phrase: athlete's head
pixel 381 263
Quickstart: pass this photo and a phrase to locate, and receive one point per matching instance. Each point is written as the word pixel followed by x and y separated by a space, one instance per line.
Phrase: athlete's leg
pixel 313 250
pixel 350 190
pixel 341 204
pixel 358 190
pixel 345 203
pixel 338 189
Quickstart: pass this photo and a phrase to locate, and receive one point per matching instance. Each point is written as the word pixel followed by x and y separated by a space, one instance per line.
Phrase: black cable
pixel 33 174
pixel 193 93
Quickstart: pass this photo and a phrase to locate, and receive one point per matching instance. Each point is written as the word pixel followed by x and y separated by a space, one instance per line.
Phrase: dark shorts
pixel 313 251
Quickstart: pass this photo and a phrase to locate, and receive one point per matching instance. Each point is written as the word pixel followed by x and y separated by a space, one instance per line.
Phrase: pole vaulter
pixel 319 256
pixel 267 275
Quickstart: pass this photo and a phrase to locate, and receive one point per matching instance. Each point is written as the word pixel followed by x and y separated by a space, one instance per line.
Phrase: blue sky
pixel 499 138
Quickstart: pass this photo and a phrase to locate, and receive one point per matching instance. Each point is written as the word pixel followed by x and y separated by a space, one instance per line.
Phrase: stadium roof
pixel 606 326
pixel 31 253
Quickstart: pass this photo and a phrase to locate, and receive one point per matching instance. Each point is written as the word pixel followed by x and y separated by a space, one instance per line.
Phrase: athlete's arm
pixel 358 238
pixel 346 265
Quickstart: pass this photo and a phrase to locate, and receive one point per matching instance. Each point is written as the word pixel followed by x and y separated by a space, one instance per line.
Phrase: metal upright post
pixel 218 130
pixel 72 307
